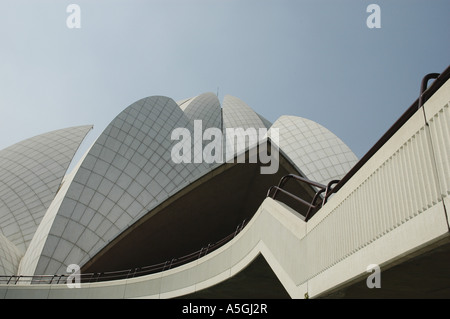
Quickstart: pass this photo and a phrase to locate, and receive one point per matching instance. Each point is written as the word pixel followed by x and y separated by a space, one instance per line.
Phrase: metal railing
pixel 121 274
pixel 313 205
pixel 424 86
pixel 425 93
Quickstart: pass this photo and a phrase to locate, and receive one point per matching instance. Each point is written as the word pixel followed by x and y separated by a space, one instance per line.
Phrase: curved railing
pixel 425 93
pixel 122 274
pixel 313 205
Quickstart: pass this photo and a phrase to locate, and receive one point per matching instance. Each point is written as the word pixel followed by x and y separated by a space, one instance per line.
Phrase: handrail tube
pixel 440 80
pixel 329 190
pixel 294 197
pixel 313 204
pixel 424 86
pixel 285 178
pixel 128 273
pixel 425 93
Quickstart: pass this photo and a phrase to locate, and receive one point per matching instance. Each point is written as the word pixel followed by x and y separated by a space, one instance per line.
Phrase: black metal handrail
pixel 425 93
pixel 424 86
pixel 123 274
pixel 328 189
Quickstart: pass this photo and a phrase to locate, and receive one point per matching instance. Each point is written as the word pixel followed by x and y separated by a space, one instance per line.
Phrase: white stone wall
pixel 30 175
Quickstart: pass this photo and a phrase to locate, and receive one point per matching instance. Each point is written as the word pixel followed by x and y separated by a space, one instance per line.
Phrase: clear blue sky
pixel 311 58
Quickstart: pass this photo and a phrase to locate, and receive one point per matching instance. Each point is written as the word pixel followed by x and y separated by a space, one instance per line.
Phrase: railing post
pixel 206 249
pixel 312 205
pixel 95 277
pixel 200 253
pixel 329 190
pixel 424 85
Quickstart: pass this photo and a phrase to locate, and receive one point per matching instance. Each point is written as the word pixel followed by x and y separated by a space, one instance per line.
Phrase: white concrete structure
pixel 126 174
pixel 392 209
pixel 30 175
pixel 10 256
pixel 237 114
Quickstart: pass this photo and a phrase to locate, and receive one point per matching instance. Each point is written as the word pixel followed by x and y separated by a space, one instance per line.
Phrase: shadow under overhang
pixel 424 274
pixel 204 212
pixel 256 281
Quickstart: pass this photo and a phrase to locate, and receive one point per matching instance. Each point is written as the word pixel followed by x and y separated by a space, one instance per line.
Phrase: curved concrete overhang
pixel 265 235
pixel 275 232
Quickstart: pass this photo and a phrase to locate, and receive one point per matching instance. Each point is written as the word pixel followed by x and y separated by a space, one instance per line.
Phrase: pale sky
pixel 316 59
